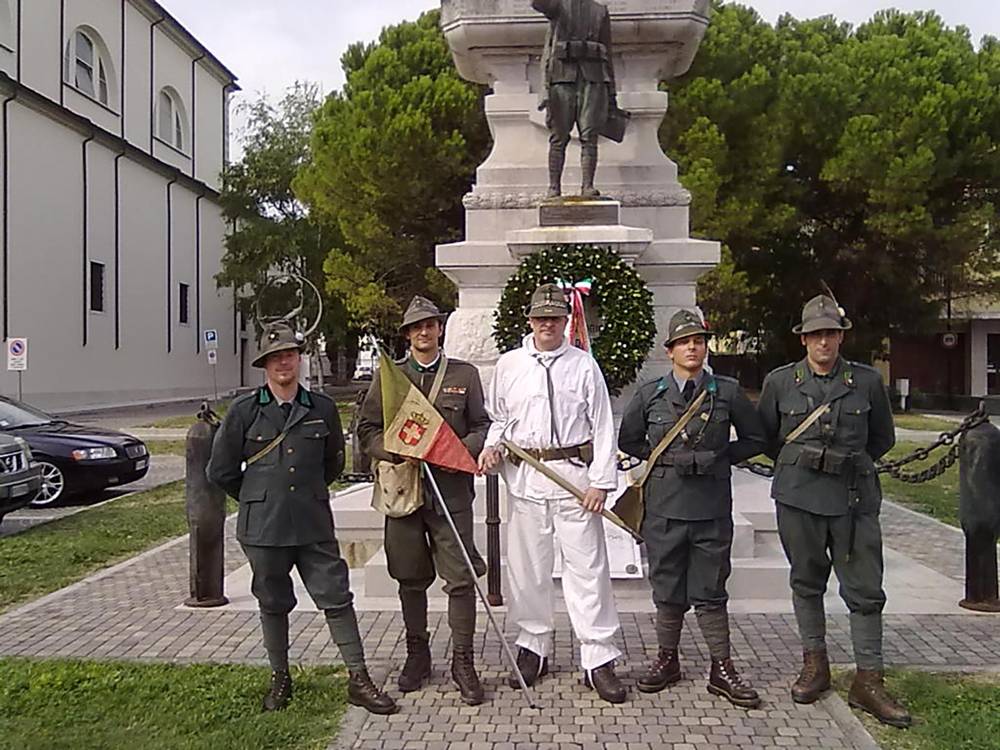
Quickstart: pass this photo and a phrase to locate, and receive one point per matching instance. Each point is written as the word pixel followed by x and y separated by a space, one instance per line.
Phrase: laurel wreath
pixel 626 305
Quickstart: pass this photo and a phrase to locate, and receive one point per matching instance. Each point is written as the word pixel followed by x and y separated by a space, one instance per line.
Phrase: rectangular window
pixel 96 286
pixel 182 306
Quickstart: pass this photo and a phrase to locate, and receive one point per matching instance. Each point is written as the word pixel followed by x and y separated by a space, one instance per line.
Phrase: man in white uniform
pixel 551 399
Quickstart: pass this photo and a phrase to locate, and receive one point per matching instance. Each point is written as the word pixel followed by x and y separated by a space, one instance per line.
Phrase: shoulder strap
pixel 672 434
pixel 268 448
pixel 438 379
pixel 808 422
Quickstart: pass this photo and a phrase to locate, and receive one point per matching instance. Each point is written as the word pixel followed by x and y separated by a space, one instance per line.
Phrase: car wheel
pixel 53 486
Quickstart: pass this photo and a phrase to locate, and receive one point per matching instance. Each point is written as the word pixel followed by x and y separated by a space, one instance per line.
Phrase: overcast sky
pixel 270 44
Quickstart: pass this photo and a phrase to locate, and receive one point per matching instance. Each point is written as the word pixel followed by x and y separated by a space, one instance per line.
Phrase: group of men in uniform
pixel 824 420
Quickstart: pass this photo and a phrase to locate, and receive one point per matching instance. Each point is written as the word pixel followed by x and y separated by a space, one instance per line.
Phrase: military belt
pixel 583 451
pixel 581 50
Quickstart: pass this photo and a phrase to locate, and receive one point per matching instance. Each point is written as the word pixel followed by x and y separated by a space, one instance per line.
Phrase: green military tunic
pixel 420 546
pixel 284 517
pixel 688 526
pixel 828 494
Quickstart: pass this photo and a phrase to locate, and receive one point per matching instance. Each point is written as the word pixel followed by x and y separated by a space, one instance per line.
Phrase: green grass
pixel 66 705
pixel 48 557
pixel 166 447
pixel 922 422
pixel 937 498
pixel 951 712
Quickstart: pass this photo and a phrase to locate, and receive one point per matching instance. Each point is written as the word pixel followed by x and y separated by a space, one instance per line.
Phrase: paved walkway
pixel 132 611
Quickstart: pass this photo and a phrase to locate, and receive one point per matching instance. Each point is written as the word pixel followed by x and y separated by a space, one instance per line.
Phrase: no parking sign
pixel 17 354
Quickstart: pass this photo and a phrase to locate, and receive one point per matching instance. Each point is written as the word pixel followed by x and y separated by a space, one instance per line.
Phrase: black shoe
pixel 531 666
pixel 361 691
pixel 665 670
pixel 280 693
pixel 417 667
pixel 606 683
pixel 724 680
pixel 463 672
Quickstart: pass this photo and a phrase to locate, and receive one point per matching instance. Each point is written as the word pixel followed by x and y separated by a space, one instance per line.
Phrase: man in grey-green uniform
pixel 827 421
pixel 688 524
pixel 420 546
pixel 277 452
pixel 579 83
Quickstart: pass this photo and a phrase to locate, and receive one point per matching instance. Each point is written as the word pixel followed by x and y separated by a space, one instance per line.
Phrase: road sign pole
pixel 215 383
pixel 19 374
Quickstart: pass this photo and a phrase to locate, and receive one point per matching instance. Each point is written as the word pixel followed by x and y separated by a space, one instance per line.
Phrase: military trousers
pixel 689 561
pixel 814 545
pixel 421 546
pixel 584 104
pixel 323 571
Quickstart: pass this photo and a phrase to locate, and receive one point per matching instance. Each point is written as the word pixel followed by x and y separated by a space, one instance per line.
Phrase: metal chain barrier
pixel 951 439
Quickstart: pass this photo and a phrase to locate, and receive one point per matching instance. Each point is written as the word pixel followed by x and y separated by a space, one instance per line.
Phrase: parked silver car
pixel 20 477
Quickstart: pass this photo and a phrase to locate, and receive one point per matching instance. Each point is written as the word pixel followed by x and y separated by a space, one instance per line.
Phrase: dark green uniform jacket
pixel 284 497
pixel 692 479
pixel 460 402
pixel 830 469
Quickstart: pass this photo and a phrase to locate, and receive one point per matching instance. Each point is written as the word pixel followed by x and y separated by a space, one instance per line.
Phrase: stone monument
pixel 500 43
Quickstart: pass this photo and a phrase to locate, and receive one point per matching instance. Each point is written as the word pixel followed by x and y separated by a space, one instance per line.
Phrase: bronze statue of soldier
pixel 579 81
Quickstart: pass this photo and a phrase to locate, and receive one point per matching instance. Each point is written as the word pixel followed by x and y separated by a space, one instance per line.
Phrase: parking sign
pixel 17 354
pixel 211 338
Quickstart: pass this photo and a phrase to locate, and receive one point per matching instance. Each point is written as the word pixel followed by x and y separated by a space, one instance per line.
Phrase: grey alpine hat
pixel 278 337
pixel 684 323
pixel 421 308
pixel 548 301
pixel 822 313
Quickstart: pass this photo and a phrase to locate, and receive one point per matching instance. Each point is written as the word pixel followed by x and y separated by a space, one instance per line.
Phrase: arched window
pixel 171 119
pixel 88 66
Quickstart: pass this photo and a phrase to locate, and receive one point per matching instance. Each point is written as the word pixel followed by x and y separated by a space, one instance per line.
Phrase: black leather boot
pixel 463 672
pixel 531 666
pixel 361 691
pixel 417 667
pixel 665 670
pixel 606 683
pixel 280 693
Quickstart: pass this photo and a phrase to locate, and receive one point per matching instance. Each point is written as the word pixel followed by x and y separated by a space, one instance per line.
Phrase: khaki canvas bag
pixel 398 491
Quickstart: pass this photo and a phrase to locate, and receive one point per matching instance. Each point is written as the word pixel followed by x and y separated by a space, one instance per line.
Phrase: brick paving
pixel 131 612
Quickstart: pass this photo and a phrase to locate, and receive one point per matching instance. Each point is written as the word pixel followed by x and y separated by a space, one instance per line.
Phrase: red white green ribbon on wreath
pixel 579 336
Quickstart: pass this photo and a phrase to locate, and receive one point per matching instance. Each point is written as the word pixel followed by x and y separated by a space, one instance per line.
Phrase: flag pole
pixel 529 696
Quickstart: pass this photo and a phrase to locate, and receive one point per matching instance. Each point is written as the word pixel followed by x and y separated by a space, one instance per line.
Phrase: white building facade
pixel 113 136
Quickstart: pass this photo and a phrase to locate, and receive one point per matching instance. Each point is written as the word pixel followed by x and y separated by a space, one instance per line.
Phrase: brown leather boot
pixel 665 670
pixel 463 672
pixel 869 694
pixel 724 680
pixel 606 683
pixel 361 691
pixel 814 679
pixel 280 693
pixel 417 667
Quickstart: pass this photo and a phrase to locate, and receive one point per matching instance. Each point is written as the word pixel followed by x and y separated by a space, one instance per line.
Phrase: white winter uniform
pixel 518 403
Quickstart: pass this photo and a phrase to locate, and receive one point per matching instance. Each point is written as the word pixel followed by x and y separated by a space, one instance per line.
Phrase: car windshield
pixel 16 414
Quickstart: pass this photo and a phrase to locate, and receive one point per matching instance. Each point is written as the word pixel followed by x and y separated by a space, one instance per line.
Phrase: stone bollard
pixel 206 514
pixel 979 511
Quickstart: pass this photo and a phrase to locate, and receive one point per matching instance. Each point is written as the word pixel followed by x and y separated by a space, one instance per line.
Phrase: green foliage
pixel 626 306
pixel 953 712
pixel 863 157
pixel 58 705
pixel 392 156
pixel 270 229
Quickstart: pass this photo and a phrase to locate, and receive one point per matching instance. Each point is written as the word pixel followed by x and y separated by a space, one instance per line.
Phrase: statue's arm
pixel 606 41
pixel 549 7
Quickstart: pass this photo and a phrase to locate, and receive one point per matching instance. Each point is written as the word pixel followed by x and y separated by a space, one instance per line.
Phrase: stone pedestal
pixel 498 43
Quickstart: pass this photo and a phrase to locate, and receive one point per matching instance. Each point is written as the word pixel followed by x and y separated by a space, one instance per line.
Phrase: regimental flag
pixel 413 427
